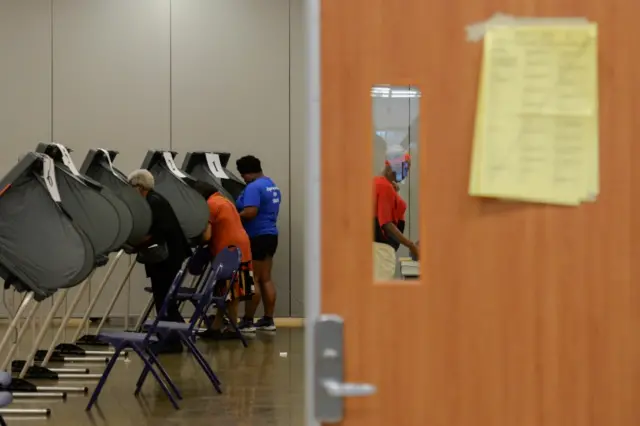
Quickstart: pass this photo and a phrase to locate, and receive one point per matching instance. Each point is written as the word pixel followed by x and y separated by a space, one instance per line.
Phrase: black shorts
pixel 263 246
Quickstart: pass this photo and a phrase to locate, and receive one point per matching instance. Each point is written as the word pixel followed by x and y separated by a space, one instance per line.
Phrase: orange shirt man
pixel 226 230
pixel 226 227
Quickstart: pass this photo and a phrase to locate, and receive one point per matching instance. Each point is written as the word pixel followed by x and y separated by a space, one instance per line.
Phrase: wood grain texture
pixel 526 315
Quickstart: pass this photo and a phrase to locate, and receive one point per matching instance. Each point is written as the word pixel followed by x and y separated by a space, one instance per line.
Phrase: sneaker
pixel 266 324
pixel 219 335
pixel 246 326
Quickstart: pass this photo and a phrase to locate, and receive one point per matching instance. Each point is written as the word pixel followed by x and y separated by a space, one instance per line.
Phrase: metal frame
pixel 90 356
pixel 312 226
pixel 14 325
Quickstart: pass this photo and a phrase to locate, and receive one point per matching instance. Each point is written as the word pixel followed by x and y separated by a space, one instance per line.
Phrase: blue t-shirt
pixel 264 194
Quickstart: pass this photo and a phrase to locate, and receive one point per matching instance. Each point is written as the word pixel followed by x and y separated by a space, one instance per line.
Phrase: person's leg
pixel 251 305
pixel 160 286
pixel 252 291
pixel 384 262
pixel 258 253
pixel 262 271
pixel 217 331
pixel 267 287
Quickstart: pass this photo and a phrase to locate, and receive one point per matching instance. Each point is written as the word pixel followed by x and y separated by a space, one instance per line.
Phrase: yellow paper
pixel 536 135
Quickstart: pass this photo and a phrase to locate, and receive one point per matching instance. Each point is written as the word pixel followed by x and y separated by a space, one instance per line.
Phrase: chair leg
pixel 236 329
pixel 166 390
pixel 200 359
pixel 105 375
pixel 141 380
pixel 2 422
pixel 153 359
pixel 203 364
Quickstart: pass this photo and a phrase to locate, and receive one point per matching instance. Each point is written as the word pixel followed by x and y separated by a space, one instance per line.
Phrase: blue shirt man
pixel 259 205
pixel 265 195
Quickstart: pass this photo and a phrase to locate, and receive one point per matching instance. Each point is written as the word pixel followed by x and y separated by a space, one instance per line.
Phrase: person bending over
pixel 259 206
pixel 389 221
pixel 225 229
pixel 165 231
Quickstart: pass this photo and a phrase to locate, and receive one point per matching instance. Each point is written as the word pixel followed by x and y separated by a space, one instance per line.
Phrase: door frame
pixel 312 230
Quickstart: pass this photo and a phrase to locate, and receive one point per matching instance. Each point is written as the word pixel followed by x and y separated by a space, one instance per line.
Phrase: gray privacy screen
pixel 139 210
pixel 189 206
pixel 202 173
pixel 91 211
pixel 39 244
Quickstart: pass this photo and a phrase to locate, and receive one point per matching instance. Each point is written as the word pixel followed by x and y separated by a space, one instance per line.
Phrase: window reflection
pixel 395 166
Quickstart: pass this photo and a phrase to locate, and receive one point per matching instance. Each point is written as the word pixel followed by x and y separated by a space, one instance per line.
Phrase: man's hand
pixel 415 251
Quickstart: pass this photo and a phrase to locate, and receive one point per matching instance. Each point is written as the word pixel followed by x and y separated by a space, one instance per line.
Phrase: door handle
pixel 330 388
pixel 348 390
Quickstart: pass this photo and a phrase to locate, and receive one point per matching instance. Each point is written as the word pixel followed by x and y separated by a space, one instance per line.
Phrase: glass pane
pixel 395 181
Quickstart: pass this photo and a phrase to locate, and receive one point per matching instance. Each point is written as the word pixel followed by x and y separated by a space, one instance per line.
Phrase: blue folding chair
pixel 198 266
pixel 224 267
pixel 141 343
pixel 5 396
pixel 220 302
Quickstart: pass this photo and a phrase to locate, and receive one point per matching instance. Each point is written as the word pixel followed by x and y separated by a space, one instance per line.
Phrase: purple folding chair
pixel 224 267
pixel 140 343
pixel 198 266
pixel 5 396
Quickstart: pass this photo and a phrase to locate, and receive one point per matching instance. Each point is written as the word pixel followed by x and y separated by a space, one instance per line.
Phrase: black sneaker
pixel 266 324
pixel 246 326
pixel 219 335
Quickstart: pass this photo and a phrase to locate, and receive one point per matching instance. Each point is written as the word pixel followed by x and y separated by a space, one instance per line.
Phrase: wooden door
pixel 525 315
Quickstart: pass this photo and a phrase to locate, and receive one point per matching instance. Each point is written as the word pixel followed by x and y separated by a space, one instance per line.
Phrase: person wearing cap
pixel 389 215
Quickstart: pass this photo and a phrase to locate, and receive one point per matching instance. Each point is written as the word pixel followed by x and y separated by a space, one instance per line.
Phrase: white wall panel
pixel 230 92
pixel 25 80
pixel 111 89
pixel 298 157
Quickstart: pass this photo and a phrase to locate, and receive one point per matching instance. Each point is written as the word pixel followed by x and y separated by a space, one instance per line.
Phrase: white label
pixel 66 159
pixel 168 158
pixel 213 160
pixel 108 157
pixel 49 177
pixel 106 154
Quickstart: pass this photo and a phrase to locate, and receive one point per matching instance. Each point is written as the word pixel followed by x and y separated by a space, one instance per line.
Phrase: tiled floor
pixel 263 386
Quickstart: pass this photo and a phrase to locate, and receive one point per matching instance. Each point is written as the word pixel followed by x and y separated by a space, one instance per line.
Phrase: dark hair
pixel 205 189
pixel 248 164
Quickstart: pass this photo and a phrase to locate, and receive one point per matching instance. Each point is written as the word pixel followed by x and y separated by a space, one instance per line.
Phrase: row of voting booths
pixel 59 223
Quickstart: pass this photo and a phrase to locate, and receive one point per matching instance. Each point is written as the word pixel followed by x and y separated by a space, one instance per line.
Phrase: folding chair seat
pixel 184 293
pixel 224 267
pixel 115 337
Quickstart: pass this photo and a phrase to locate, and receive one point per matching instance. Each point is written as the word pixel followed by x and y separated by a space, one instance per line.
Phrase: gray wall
pixel 181 74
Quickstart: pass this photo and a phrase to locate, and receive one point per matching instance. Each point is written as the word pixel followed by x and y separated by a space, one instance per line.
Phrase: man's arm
pixel 206 235
pixel 251 203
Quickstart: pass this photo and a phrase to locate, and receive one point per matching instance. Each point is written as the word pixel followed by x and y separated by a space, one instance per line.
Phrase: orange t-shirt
pixel 226 227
